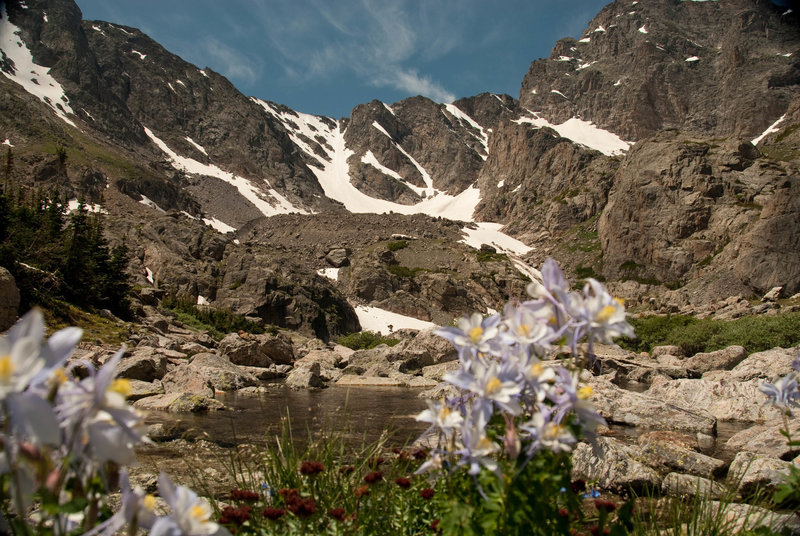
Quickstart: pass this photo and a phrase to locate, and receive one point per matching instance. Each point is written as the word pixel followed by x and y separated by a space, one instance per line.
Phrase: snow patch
pixel 333 174
pixel 618 82
pixel 481 136
pixel 74 204
pixel 370 159
pixel 202 300
pixel 585 40
pixel 564 58
pixel 149 275
pixel 379 320
pixel 489 233
pixel 388 108
pixel 381 129
pixel 277 205
pixel 585 65
pixel 7 142
pixel 557 92
pixel 181 82
pixel 34 78
pixel 150 203
pixel 141 56
pixel 582 132
pixel 330 273
pixel 220 226
pixel 172 88
pixel 44 16
pixel 787 55
pixel 500 184
pixel 196 145
pixel 599 29
pixel 98 29
pixel 203 73
pixel 643 30
pixel 691 59
pixel 772 128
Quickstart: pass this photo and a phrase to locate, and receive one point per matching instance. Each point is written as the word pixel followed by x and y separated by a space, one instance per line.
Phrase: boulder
pixel 663 455
pixel 9 299
pixel 640 409
pixel 754 473
pixel 179 403
pixel 257 350
pixel 140 389
pixel 612 465
pixel 724 359
pixel 305 378
pixel 691 485
pixel 337 257
pixel 207 371
pixel 425 349
pixel 767 365
pixel 774 294
pixel 349 380
pixel 672 350
pixel 145 364
pixel 765 439
pixel 724 399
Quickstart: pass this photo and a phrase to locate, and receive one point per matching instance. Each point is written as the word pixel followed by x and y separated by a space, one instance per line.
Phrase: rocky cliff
pixel 660 148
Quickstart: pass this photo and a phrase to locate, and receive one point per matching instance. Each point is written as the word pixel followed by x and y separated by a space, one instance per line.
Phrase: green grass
pixel 396 245
pixel 755 333
pixel 404 271
pixel 488 256
pixel 364 340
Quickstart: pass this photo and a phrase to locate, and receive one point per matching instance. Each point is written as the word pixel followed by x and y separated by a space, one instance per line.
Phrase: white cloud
pixel 229 61
pixel 382 42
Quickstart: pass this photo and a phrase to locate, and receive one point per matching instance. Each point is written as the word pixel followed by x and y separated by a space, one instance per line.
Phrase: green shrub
pixel 755 333
pixel 397 245
pixel 219 322
pixel 488 256
pixel 364 340
pixel 404 271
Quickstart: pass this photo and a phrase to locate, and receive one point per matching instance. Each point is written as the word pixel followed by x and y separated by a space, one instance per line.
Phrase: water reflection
pixel 363 412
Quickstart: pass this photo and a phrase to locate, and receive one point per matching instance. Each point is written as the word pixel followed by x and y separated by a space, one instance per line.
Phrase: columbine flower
pixel 477 449
pixel 523 326
pixel 441 416
pixel 495 382
pixel 600 316
pixel 136 510
pixel 569 397
pixel 546 434
pixel 189 515
pixel 95 411
pixel 784 393
pixel 473 333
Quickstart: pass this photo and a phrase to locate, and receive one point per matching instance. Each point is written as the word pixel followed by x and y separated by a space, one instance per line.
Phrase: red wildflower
pixel 347 469
pixel 301 507
pixel 427 493
pixel 606 506
pixel 435 526
pixel 403 482
pixel 375 462
pixel 338 513
pixel 273 513
pixel 244 495
pixel 234 516
pixel 288 493
pixel 311 468
pixel 373 477
pixel 420 453
pixel 361 491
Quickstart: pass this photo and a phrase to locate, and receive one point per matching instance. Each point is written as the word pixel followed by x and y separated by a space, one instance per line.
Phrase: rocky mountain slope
pixel 634 153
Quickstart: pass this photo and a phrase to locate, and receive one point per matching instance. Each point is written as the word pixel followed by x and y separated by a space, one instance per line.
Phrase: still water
pixel 359 413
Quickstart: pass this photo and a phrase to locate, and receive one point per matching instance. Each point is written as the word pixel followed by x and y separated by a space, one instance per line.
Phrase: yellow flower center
pixel 553 321
pixel 536 369
pixel 475 334
pixel 149 502
pixel 525 330
pixel 121 386
pixel 59 376
pixel 552 431
pixel 585 392
pixel 606 313
pixel 6 368
pixel 444 413
pixel 199 513
pixel 484 443
pixel 493 386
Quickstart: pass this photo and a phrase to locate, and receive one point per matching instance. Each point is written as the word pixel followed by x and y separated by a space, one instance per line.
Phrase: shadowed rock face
pixel 715 68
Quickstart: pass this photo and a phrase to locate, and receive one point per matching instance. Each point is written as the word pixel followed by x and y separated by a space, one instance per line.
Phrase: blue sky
pixel 326 56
